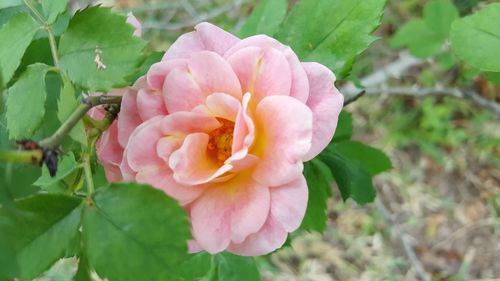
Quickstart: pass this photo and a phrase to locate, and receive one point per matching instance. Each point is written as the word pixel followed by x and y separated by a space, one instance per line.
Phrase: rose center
pixel 221 141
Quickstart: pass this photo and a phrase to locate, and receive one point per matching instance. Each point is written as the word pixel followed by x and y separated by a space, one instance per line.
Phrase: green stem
pixel 19 156
pixel 88 175
pixel 37 14
pixel 57 138
pixel 53 45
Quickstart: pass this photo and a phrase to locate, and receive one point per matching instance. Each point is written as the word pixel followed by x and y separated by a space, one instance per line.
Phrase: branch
pixel 57 138
pixel 393 70
pixel 425 92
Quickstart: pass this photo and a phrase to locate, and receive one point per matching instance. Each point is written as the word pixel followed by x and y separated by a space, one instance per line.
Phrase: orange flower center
pixel 221 141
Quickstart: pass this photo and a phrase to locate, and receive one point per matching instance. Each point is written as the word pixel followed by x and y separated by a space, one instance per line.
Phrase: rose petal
pixel 300 84
pixel 110 153
pixel 325 102
pixel 284 125
pixel 141 148
pixel 289 203
pixel 131 19
pixel 262 72
pixel 191 163
pixel 150 104
pixel 128 118
pixel 158 72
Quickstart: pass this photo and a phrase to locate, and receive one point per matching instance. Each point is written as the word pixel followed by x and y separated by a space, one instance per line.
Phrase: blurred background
pixel 436 216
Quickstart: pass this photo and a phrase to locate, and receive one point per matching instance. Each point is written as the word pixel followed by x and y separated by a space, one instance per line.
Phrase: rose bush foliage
pixel 223 125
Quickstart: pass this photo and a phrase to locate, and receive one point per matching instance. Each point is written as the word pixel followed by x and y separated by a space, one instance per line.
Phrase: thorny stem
pixel 57 138
pixel 88 175
pixel 53 45
pixel 34 11
pixel 25 157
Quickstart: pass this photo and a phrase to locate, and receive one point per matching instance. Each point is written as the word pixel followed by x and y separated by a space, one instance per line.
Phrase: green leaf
pixel 265 18
pixel 83 272
pixel 236 268
pixel 493 77
pixel 18 32
pixel 353 180
pixel 476 39
pixel 151 59
pixel 26 102
pixel 196 266
pixel 417 36
pixel 66 166
pixel 149 234
pixel 344 127
pixel 53 8
pixel 8 264
pixel 98 34
pixel 319 181
pixel 41 231
pixel 439 15
pixel 7 13
pixel 332 32
pixel 10 3
pixel 372 159
pixel 65 107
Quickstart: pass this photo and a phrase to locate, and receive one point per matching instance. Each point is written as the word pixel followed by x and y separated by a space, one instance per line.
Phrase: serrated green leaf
pixel 196 266
pixel 319 181
pixel 83 272
pixel 16 36
pixel 439 15
pixel 493 77
pixel 353 180
pixel 66 105
pixel 236 268
pixel 41 231
pixel 332 32
pixel 98 50
pixel 372 159
pixel 149 231
pixel 10 3
pixel 151 59
pixel 8 264
pixel 476 39
pixel 26 102
pixel 65 167
pixel 419 38
pixel 344 127
pixel 53 8
pixel 265 18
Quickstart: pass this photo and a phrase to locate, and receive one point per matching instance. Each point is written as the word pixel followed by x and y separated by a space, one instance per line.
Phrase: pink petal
pixel 325 102
pixel 128 118
pixel 213 74
pixel 262 72
pixel 238 207
pixel 284 125
pixel 214 38
pixel 181 92
pixel 141 148
pixel 289 203
pixel 184 46
pixel 110 153
pixel 167 145
pixel 150 104
pixel 269 238
pixel 131 19
pixel 185 123
pixel 159 71
pixel 221 105
pixel 127 173
pixel 244 129
pixel 300 84
pixel 161 178
pixel 192 165
pixel 206 37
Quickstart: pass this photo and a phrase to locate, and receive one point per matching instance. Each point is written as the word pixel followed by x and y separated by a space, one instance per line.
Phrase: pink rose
pixel 224 125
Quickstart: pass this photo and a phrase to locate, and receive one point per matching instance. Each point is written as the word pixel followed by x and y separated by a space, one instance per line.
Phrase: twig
pixel 199 18
pixel 393 70
pixel 405 240
pixel 424 92
pixel 354 98
pixel 56 139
